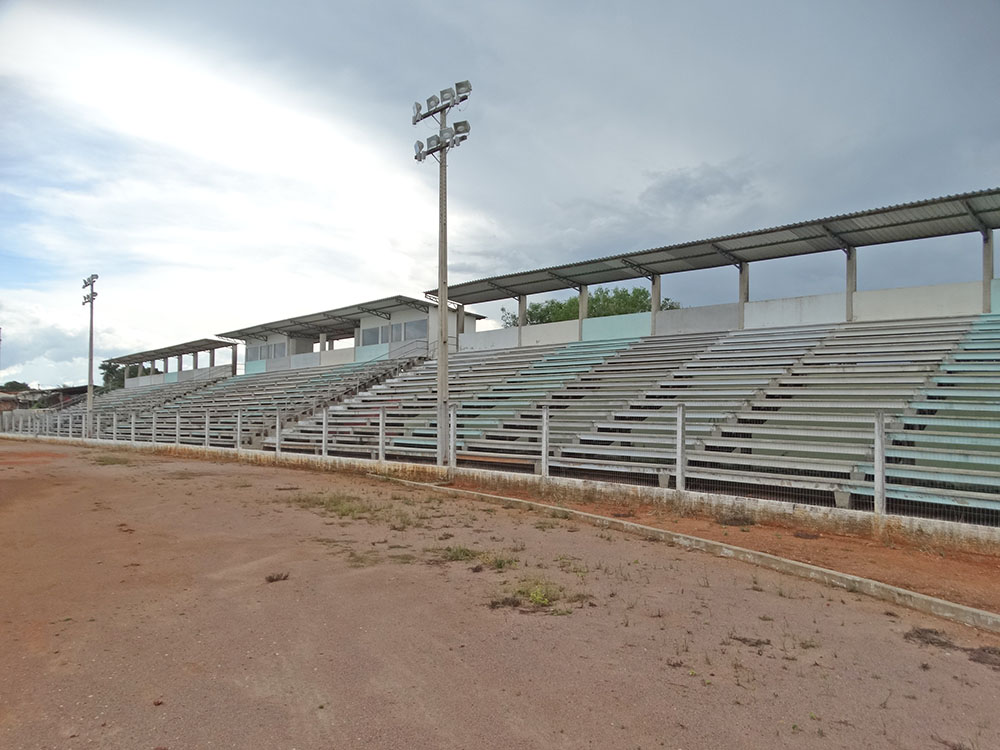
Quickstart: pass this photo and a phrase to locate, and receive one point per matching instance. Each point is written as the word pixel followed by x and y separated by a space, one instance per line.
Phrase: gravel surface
pixel 135 612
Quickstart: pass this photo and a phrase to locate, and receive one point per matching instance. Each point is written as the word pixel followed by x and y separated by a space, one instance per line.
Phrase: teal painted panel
pixel 616 327
pixel 995 295
pixel 170 377
pixel 258 365
pixel 368 353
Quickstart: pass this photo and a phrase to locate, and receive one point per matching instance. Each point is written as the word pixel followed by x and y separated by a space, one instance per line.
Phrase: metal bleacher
pixel 488 386
pixel 255 403
pixel 785 412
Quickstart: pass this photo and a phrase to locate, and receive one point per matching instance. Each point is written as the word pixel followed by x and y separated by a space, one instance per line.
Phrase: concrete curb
pixel 976 618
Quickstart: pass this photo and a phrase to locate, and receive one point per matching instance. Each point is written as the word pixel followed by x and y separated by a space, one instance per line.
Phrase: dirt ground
pixel 965 577
pixel 135 612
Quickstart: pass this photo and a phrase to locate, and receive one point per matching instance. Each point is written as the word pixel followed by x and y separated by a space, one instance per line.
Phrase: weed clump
pixel 275 577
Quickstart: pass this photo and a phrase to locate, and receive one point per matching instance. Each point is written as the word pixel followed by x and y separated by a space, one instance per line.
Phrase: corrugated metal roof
pixel 199 345
pixel 936 217
pixel 336 324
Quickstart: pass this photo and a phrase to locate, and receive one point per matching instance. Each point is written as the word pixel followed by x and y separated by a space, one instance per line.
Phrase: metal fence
pixel 883 482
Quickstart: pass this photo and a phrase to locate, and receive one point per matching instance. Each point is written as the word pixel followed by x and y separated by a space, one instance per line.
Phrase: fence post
pixel 545 440
pixel 239 430
pixel 206 427
pixel 133 427
pixel 326 424
pixel 277 432
pixel 152 437
pixel 177 428
pixel 879 462
pixel 381 434
pixel 452 436
pixel 114 427
pixel 97 431
pixel 680 481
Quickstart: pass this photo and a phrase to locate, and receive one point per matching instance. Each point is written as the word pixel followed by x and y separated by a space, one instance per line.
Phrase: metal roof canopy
pixel 191 347
pixel 937 217
pixel 336 324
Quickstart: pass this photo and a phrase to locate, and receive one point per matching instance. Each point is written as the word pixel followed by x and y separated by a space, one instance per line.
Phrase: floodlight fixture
pixel 432 103
pixel 433 142
pixel 462 127
pixel 448 97
pixel 446 135
pixel 416 112
pixel 90 280
pixel 463 89
pixel 418 151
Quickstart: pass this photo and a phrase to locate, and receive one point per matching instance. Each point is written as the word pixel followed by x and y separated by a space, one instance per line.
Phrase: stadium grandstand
pixel 885 399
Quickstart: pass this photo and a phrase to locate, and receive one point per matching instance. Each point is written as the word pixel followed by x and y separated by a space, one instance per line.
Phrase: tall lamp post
pixel 88 299
pixel 437 146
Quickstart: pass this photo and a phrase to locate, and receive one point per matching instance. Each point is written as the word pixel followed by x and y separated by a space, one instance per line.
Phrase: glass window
pixel 415 329
pixel 369 336
pixel 385 334
pixel 253 353
pixel 397 331
pixel 279 350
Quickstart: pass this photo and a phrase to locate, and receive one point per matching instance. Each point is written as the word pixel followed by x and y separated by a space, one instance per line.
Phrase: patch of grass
pixel 510 600
pixel 560 513
pixel 499 561
pixel 275 577
pixel 110 459
pixel 539 592
pixel 459 553
pixel 342 506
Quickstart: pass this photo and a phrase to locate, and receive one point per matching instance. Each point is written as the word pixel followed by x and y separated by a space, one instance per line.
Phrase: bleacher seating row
pixel 784 412
pixel 779 412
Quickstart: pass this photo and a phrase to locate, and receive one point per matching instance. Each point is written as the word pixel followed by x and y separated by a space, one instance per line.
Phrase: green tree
pixel 114 375
pixel 13 386
pixel 600 303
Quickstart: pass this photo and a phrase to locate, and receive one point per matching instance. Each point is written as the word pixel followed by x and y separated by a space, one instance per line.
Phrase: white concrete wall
pixel 500 338
pixel 562 332
pixel 337 356
pixel 310 359
pixel 919 302
pixel 772 313
pixel 202 373
pixel 698 319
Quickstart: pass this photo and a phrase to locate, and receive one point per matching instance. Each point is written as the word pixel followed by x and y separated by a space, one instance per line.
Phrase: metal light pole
pixel 88 299
pixel 437 146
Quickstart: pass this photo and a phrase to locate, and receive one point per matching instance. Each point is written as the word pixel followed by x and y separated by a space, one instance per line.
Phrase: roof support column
pixel 166 369
pixel 584 299
pixel 655 297
pixel 322 342
pixel 744 291
pixel 852 283
pixel 194 360
pixel 987 270
pixel 522 315
pixel 211 357
pixel 233 370
pixel 180 362
pixel 460 320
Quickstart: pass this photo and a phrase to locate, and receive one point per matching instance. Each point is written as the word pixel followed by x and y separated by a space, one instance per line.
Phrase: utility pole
pixel 88 299
pixel 437 146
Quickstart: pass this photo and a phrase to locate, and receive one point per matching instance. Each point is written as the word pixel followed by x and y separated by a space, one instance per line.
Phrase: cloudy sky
pixel 225 163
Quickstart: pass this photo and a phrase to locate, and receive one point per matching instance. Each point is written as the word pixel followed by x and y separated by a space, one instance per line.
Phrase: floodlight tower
pixel 437 146
pixel 88 299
